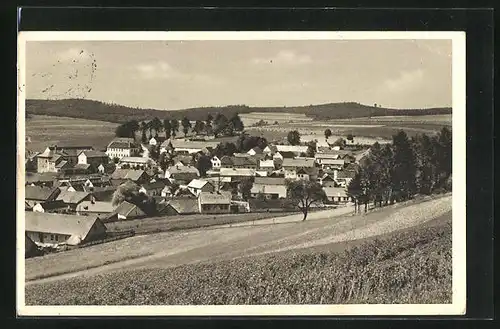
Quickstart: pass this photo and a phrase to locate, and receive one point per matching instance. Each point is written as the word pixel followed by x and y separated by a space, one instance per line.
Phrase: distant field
pixel 42 131
pixel 282 117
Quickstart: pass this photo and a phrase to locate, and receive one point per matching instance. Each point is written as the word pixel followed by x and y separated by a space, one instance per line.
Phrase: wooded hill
pixel 96 110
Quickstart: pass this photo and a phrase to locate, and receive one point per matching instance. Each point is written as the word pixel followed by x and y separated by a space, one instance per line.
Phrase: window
pixel 52 237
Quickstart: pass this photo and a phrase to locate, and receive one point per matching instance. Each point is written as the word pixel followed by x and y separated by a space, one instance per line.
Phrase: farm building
pixel 73 199
pixel 336 194
pixel 214 203
pixel 127 210
pixel 272 188
pixel 42 199
pixel 119 176
pixel 245 162
pixel 185 146
pixel 53 229
pixel 181 206
pixel 196 186
pixel 153 188
pixel 100 209
pixel 182 174
pixel 137 161
pixel 93 157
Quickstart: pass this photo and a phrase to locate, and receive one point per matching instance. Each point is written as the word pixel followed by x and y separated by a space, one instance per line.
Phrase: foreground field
pixel 412 266
pixel 170 249
pixel 42 131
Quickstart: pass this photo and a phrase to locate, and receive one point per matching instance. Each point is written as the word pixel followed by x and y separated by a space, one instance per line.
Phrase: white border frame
pixel 458 305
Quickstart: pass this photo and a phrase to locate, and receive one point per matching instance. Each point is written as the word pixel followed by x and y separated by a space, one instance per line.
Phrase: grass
pixel 183 222
pixel 48 130
pixel 409 267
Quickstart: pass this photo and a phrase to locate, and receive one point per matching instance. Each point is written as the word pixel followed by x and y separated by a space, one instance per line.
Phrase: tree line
pixel 406 167
pixel 218 126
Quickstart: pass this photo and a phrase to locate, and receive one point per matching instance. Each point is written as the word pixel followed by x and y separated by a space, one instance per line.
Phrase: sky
pixel 174 75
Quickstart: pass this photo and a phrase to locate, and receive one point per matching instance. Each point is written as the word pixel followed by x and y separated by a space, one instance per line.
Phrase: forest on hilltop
pixel 96 110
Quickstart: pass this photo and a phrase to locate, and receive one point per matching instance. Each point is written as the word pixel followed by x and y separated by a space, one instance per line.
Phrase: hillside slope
pixel 95 110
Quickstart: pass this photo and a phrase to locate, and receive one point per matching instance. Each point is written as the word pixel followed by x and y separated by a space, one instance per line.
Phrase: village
pixel 73 192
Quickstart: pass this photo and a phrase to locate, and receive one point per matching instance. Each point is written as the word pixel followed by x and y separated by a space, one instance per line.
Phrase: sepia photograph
pixel 241 173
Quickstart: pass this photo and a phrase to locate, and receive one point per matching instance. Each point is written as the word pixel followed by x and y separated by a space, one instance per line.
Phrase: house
pixel 182 206
pixel 100 209
pixel 297 149
pixel 135 162
pixel 153 188
pixel 42 199
pixel 73 199
pixel 272 188
pixel 92 157
pixel 218 182
pixel 283 155
pixel 180 146
pixel 344 177
pixel 238 162
pixel 47 179
pixel 332 163
pixel 291 166
pixel 30 247
pixel 54 229
pixel 336 194
pixel 56 159
pixel 157 140
pixel 270 149
pixel 254 151
pixel 216 163
pixel 122 147
pixel 127 210
pixel 182 174
pixel 267 165
pixel 79 168
pixel 328 180
pixel 307 173
pixel 214 202
pixel 182 160
pixel 120 175
pixel 236 173
pixel 196 186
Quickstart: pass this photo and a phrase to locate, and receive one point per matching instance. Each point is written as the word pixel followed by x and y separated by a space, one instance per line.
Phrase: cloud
pixel 406 80
pixel 162 70
pixel 74 54
pixel 284 57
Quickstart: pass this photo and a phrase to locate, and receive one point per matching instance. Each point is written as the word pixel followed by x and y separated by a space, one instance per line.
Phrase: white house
pixel 93 157
pixel 297 149
pixel 196 186
pixel 215 162
pixel 254 151
pixel 122 147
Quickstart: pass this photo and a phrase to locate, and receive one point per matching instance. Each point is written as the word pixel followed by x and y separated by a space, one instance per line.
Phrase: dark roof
pixel 125 208
pixel 41 193
pixel 154 185
pixel 269 180
pixel 287 154
pixel 82 166
pixel 184 205
pixel 308 170
pixel 257 150
pixel 72 197
pixel 238 161
pixel 122 143
pixel 40 177
pixel 131 174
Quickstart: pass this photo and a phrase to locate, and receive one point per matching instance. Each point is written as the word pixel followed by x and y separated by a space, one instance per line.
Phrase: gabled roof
pixel 339 162
pixel 40 177
pixel 154 185
pixel 292 148
pixel 266 163
pixel 97 206
pixel 197 183
pixel 185 144
pixel 236 172
pixel 183 170
pixel 298 163
pixel 131 174
pixel 184 205
pixel 238 161
pixel 62 164
pixel 285 155
pixel 308 171
pixel 269 180
pixel 122 143
pixel 271 148
pixel 82 166
pixel 257 150
pixel 215 197
pixel 94 154
pixel 69 197
pixel 140 160
pixel 335 191
pixel 41 193
pixel 59 224
pixel 125 208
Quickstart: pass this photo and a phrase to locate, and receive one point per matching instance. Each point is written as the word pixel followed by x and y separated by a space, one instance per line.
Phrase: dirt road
pixel 213 244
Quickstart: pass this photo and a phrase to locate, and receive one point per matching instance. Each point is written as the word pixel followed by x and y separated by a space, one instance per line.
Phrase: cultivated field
pixel 165 250
pixel 42 131
pixel 406 266
pixel 369 129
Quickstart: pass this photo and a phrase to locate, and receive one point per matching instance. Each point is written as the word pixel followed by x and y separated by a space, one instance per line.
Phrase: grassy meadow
pixel 42 131
pixel 413 266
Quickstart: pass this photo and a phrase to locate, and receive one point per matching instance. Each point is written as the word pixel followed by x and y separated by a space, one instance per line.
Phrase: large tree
pixel 328 133
pixel 144 128
pixel 174 127
pixel 245 187
pixel 167 127
pixel 220 124
pixel 304 194
pixel 404 167
pixel 237 123
pixel 225 148
pixel 128 191
pixel 203 164
pixel 311 149
pixel 157 125
pixel 293 137
pixel 186 125
pixel 199 126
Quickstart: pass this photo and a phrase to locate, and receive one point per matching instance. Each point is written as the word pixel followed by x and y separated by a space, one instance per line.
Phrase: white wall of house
pixel 38 208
